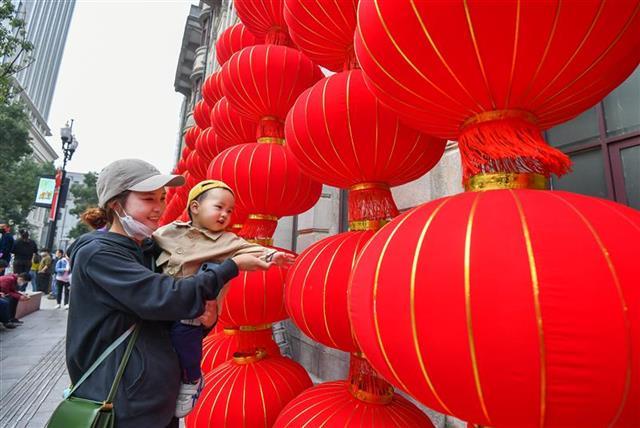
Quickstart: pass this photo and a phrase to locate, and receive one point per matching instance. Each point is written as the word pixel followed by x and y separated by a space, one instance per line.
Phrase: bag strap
pixel 105 354
pixel 122 367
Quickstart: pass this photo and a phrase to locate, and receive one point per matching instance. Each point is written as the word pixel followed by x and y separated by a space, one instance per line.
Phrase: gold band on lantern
pixel 366 186
pixel 360 225
pixel 488 116
pixel 266 217
pixel 369 397
pixel 271 140
pixel 236 226
pixel 506 180
pixel 265 242
pixel 258 327
pixel 248 358
pixel 229 331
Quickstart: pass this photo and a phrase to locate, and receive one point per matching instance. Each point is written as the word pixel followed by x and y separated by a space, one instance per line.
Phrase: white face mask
pixel 133 227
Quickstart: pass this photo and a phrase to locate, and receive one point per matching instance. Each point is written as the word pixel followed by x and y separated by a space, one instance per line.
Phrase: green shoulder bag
pixel 79 412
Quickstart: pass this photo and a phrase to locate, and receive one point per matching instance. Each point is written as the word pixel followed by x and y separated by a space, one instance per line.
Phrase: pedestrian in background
pixel 35 266
pixel 9 294
pixel 6 243
pixel 44 271
pixel 63 271
pixel 53 285
pixel 23 250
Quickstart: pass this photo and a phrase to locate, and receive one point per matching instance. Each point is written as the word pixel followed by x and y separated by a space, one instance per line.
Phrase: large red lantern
pixel 255 85
pixel 211 90
pixel 342 135
pixel 323 30
pixel 507 307
pixel 201 114
pixel 209 145
pixel 255 298
pixel 267 181
pixel 316 289
pixel 493 74
pixel 230 126
pixel 232 40
pixel 191 135
pixel 264 19
pixel 197 166
pixel 248 391
pixel 333 404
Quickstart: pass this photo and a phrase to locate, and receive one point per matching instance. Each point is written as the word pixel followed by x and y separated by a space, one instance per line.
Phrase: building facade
pixel 603 143
pixel 47 26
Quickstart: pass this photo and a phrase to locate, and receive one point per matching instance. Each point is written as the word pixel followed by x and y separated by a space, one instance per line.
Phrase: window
pixel 604 146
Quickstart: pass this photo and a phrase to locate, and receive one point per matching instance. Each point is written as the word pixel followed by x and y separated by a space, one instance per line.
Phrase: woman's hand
pixel 283 259
pixel 248 262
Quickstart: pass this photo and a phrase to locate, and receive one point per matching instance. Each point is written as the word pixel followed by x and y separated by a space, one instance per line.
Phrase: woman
pixel 114 287
pixel 62 278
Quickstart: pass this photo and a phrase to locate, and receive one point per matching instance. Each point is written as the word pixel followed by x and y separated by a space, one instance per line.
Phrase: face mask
pixel 133 227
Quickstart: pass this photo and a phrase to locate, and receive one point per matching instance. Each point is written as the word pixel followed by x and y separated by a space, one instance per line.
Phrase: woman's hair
pixel 97 218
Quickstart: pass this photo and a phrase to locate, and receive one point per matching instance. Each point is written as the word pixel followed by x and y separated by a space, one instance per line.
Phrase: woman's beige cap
pixel 132 174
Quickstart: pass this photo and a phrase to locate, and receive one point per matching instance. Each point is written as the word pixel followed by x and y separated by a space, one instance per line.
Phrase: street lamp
pixel 69 146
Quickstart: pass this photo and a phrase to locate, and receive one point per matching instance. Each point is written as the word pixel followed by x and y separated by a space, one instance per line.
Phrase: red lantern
pixel 201 113
pixel 190 137
pixel 254 83
pixel 264 19
pixel 232 40
pixel 332 404
pixel 238 218
pixel 255 298
pixel 342 136
pixel 230 126
pixel 323 30
pixel 209 145
pixel 197 166
pixel 248 392
pixel 316 289
pixel 219 347
pixel 266 180
pixel 211 90
pixel 507 308
pixel 493 74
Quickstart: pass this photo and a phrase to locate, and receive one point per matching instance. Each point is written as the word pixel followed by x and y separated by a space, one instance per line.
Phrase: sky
pixel 116 82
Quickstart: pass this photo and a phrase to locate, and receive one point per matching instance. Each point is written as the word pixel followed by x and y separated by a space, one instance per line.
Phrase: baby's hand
pixel 281 258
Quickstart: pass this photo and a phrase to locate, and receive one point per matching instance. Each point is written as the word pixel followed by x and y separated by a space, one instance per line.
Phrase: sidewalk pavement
pixel 32 367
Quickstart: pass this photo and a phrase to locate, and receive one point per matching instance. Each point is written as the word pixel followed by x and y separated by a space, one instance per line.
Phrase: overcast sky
pixel 116 81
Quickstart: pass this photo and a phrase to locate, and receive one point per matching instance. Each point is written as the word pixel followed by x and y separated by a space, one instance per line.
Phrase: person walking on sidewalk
pixel 23 250
pixel 6 243
pixel 44 272
pixel 115 286
pixel 63 270
pixel 35 267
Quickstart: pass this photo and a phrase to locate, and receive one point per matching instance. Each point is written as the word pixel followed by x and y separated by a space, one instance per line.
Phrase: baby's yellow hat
pixel 205 185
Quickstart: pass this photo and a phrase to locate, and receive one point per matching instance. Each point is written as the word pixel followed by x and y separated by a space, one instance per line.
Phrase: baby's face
pixel 214 211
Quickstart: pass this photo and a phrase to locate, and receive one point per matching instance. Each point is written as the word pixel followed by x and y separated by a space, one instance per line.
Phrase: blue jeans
pixel 34 281
pixel 54 286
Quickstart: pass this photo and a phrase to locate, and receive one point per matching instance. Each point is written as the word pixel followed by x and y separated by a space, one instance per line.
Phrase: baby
pixel 185 247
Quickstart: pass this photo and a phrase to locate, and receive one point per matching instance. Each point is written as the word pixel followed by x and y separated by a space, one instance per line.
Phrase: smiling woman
pixel 114 287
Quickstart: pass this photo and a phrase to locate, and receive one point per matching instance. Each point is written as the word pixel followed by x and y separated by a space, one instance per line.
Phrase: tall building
pixel 47 25
pixel 603 143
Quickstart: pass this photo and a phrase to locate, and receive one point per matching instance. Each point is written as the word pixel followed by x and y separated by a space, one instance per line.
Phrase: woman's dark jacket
pixel 112 288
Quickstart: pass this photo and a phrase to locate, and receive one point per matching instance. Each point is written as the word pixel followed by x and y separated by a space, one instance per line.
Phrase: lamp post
pixel 69 146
